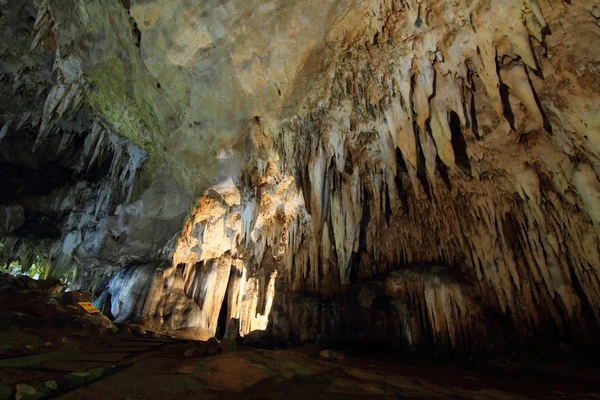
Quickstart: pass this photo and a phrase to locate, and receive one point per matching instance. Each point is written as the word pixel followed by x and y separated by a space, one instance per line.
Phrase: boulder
pixel 232 332
pixel 261 340
pixel 5 392
pixel 331 355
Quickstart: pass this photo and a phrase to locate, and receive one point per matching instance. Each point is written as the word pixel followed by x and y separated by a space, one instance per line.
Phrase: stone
pixel 27 392
pixel 137 330
pixel 195 352
pixel 14 340
pixel 331 355
pixel 5 392
pixel 32 392
pixel 76 379
pixel 74 297
pixel 232 332
pixel 323 340
pixel 214 350
pixel 228 345
pixel 261 339
pixel 232 373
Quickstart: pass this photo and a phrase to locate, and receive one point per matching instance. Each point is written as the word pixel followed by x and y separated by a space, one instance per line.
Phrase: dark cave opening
pixel 459 144
pixel 222 320
pixel 402 174
pixel 507 109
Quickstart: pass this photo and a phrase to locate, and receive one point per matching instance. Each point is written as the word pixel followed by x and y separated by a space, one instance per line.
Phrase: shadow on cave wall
pixel 431 310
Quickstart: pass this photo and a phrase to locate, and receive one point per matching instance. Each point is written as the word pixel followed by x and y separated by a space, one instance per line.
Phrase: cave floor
pixel 127 367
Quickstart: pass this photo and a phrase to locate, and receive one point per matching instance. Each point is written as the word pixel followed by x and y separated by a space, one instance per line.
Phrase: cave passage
pixel 222 320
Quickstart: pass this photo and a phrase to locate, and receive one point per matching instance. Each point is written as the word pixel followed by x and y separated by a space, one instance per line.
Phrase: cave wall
pixel 449 150
pixel 422 173
pixel 483 174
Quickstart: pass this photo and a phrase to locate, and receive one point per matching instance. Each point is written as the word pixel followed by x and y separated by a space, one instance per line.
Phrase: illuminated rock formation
pixel 417 172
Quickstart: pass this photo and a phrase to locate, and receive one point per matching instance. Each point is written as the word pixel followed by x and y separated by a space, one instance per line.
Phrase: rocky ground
pixel 136 368
pixel 51 348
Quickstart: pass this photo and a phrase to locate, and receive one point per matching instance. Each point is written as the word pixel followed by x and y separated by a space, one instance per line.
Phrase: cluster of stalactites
pixel 101 144
pixel 411 162
pixel 189 298
pixel 408 163
pixel 396 169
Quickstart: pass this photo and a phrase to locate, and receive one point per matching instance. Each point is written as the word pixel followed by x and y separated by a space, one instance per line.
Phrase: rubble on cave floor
pixel 49 343
pixel 44 310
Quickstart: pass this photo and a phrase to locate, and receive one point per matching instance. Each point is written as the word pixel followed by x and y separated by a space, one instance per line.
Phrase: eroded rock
pixel 290 175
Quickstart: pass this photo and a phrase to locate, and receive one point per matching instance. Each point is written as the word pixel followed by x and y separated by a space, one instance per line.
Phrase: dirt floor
pixel 126 367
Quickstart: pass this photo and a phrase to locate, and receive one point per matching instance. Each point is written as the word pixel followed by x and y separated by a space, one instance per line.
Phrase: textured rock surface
pixel 39 321
pixel 283 162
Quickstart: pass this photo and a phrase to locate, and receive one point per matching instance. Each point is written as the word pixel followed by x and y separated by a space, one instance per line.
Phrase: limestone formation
pixel 415 172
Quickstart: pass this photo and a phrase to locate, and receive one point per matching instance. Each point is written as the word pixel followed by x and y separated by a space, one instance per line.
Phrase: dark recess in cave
pixel 222 321
pixel 507 110
pixel 459 144
pixel 402 173
pixel 443 171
